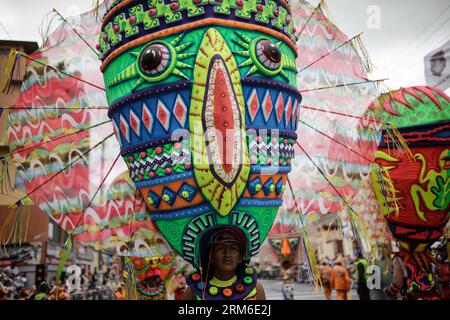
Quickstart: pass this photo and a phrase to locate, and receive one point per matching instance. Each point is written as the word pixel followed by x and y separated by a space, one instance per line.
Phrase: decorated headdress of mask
pixel 417 207
pixel 204 101
pixel 420 176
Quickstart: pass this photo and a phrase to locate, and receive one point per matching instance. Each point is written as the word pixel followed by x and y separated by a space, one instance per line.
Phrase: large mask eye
pixel 154 59
pixel 263 56
pixel 268 54
pixel 157 61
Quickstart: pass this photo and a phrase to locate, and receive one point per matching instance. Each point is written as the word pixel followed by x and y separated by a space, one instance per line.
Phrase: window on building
pixel 339 247
pixel 55 233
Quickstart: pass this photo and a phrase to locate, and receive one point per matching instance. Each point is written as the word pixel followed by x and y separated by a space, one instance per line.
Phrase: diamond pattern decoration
pixel 147 118
pixel 116 132
pixel 288 113
pixel 294 116
pixel 168 196
pixel 187 192
pixel 180 111
pixel 279 105
pixel 279 187
pixel 135 123
pixel 124 128
pixel 253 105
pixel 254 186
pixel 269 187
pixel 267 106
pixel 163 115
pixel 153 199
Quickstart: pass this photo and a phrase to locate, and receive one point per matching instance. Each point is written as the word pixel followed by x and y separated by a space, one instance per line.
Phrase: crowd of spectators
pixel 91 286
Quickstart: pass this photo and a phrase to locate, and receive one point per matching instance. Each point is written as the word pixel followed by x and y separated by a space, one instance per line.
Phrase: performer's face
pixel 226 256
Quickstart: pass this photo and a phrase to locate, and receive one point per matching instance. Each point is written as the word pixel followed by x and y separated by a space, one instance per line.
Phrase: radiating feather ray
pixel 246 63
pixel 252 70
pixel 182 56
pixel 180 74
pixel 183 65
pixel 183 46
pixel 245 53
pixel 129 73
pixel 244 37
pixel 241 43
pixel 177 40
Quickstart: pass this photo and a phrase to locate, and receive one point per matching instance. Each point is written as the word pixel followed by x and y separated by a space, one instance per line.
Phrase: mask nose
pixel 217 124
pixel 224 106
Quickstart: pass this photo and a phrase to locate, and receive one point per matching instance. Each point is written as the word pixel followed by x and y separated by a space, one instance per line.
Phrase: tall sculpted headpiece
pixel 417 207
pixel 204 102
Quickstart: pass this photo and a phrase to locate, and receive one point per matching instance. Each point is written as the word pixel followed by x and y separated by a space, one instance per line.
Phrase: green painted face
pixel 206 112
pixel 125 74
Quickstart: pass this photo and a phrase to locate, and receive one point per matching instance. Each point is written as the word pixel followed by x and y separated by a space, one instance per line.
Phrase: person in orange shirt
pixel 340 280
pixel 119 294
pixel 325 278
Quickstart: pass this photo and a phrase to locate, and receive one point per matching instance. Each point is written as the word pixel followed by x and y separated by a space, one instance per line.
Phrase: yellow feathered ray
pixel 387 188
pixel 15 228
pixel 6 177
pixel 130 276
pixel 361 231
pixel 386 96
pixel 323 9
pixel 399 142
pixel 306 242
pixel 64 255
pixel 363 54
pixel 96 8
pixel 9 68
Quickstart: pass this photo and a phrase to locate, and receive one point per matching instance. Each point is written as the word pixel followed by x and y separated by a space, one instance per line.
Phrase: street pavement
pixel 301 291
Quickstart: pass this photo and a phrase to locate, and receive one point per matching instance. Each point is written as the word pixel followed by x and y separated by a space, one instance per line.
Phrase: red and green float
pixel 413 191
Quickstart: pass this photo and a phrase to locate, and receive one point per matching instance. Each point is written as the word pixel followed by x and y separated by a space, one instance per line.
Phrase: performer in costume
pixel 224 273
pixel 414 197
pixel 204 101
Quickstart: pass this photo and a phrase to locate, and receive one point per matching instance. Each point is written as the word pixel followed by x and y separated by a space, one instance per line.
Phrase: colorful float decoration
pixel 414 196
pixel 284 244
pixel 285 238
pixel 198 92
pixel 203 99
pixel 150 275
pixel 66 163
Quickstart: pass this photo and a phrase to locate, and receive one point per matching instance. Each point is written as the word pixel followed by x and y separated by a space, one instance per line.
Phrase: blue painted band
pixel 158 181
pixel 179 214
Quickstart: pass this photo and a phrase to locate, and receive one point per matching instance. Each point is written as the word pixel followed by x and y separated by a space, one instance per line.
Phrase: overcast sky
pixel 397 42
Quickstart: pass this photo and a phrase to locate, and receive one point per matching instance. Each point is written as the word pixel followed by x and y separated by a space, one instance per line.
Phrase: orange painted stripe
pixel 194 25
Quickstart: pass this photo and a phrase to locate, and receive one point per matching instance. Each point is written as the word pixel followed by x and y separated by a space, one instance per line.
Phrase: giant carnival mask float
pixel 418 207
pixel 184 97
pixel 203 99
